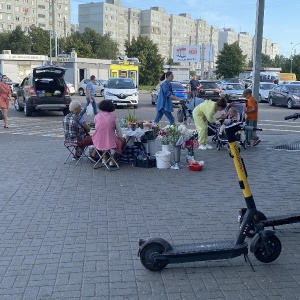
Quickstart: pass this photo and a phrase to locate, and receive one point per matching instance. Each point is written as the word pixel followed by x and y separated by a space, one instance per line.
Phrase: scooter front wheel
pixel 274 246
pixel 147 257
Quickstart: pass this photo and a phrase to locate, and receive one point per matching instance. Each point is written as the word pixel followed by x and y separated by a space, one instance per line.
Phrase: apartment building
pixel 166 30
pixel 36 12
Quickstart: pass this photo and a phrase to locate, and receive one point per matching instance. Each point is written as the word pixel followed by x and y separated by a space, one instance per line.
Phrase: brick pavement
pixel 70 232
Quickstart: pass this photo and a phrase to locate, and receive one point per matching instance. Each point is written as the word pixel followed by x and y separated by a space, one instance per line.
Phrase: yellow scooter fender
pixel 257 240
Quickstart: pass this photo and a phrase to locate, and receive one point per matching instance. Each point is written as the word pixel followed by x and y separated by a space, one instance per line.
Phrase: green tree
pixel 171 62
pixel 4 41
pixel 151 61
pixel 230 61
pixel 19 42
pixel 39 40
pixel 75 41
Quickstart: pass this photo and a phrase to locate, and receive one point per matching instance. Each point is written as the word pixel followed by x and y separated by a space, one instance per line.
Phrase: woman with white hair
pixel 76 129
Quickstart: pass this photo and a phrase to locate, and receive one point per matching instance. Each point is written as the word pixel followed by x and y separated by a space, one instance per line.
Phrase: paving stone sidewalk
pixel 70 232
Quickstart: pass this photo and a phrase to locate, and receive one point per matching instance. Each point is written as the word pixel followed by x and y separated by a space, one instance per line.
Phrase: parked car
pixel 122 92
pixel 291 82
pixel 178 89
pixel 232 91
pixel 285 95
pixel 98 87
pixel 71 88
pixel 264 88
pixel 44 89
pixel 185 83
pixel 208 89
pixel 232 80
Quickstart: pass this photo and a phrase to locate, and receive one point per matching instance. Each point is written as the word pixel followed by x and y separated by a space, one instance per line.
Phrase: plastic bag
pixel 90 110
pixel 1 115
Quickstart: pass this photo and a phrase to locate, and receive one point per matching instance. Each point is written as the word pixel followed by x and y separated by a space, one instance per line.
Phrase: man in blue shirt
pixel 164 105
pixel 90 95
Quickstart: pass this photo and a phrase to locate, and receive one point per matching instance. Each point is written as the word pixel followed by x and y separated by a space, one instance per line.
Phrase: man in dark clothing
pixel 194 83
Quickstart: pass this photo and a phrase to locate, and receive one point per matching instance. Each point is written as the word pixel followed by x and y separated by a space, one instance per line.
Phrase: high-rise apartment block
pixel 36 12
pixel 166 30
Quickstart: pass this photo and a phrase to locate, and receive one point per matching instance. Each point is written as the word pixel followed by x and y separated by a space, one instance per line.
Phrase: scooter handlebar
pixel 294 116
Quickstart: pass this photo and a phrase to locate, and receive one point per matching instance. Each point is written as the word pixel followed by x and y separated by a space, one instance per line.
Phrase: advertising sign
pixel 186 53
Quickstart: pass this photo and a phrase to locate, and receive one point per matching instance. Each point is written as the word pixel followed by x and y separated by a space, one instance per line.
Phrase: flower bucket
pixel 163 159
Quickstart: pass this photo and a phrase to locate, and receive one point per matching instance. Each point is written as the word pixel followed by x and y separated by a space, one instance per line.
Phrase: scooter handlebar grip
pixel 294 116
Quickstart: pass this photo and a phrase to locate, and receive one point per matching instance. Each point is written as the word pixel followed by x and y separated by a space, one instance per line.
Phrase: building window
pixel 17 18
pixel 0 16
pixel 32 2
pixel 1 6
pixel 41 25
pixel 41 6
pixel 41 16
pixel 8 17
pixel 9 27
pixel 8 7
pixel 16 8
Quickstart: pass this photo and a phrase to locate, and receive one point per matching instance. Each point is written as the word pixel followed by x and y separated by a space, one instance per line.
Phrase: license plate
pixel 120 103
pixel 209 92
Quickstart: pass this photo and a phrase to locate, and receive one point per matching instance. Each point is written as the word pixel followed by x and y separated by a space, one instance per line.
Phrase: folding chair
pixel 105 157
pixel 71 147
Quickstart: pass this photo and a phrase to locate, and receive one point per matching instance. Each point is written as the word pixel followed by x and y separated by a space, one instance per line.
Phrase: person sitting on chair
pixel 76 130
pixel 108 134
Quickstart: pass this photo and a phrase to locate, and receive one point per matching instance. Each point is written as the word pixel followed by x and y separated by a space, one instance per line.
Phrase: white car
pixel 122 92
pixel 98 87
pixel 264 88
pixel 71 88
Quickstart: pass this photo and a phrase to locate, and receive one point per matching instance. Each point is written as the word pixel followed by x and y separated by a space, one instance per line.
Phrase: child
pixel 252 116
pixel 232 116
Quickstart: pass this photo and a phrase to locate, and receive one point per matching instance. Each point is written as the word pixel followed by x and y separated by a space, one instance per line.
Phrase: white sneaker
pixel 202 147
pixel 208 146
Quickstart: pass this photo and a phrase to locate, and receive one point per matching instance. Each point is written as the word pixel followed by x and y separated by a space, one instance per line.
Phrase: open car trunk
pixel 50 87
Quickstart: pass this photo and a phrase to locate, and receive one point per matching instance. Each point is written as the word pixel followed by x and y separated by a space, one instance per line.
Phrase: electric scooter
pixel 271 221
pixel 156 253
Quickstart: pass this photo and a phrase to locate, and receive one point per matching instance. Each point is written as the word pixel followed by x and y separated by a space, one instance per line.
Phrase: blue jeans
pixel 87 103
pixel 168 114
pixel 251 135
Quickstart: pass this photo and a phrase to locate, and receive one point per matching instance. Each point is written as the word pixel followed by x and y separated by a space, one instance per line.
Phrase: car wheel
pixel 102 93
pixel 271 102
pixel 135 106
pixel 17 105
pixel 81 92
pixel 66 111
pixel 27 110
pixel 289 103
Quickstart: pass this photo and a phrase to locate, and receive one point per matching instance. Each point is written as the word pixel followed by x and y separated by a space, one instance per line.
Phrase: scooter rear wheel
pixel 275 247
pixel 147 257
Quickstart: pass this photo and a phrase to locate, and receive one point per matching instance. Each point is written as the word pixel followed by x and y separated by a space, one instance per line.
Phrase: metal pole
pixel 291 70
pixel 202 60
pixel 50 31
pixel 55 34
pixel 260 6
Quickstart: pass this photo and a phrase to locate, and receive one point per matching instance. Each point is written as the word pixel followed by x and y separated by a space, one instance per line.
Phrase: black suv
pixel 44 89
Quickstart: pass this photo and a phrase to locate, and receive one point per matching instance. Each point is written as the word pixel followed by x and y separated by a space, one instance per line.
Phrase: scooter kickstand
pixel 247 259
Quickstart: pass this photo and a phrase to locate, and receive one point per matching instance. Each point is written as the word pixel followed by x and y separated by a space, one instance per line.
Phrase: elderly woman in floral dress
pixel 5 97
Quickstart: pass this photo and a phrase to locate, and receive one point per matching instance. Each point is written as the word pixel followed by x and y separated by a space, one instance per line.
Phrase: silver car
pixel 232 91
pixel 98 87
pixel 264 89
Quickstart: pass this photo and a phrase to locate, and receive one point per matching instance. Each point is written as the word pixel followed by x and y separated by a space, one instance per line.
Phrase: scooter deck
pixel 281 220
pixel 205 251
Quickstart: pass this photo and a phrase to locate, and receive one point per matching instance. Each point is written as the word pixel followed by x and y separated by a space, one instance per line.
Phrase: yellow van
pixel 287 76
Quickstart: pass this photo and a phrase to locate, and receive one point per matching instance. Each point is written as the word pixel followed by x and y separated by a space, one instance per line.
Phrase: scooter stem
pixel 239 164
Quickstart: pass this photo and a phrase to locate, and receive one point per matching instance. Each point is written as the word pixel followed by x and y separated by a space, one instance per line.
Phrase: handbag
pixel 90 110
pixel 1 114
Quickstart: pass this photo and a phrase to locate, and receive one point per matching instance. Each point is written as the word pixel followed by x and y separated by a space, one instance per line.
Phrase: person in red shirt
pixel 252 116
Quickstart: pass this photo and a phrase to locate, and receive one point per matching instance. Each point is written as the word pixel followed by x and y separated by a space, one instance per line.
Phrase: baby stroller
pixel 185 111
pixel 220 137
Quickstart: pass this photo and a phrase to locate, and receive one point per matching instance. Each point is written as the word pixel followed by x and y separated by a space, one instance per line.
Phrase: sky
pixel 281 17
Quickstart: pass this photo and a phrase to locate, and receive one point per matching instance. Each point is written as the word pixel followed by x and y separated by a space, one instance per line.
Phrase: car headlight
pixel 296 97
pixel 135 94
